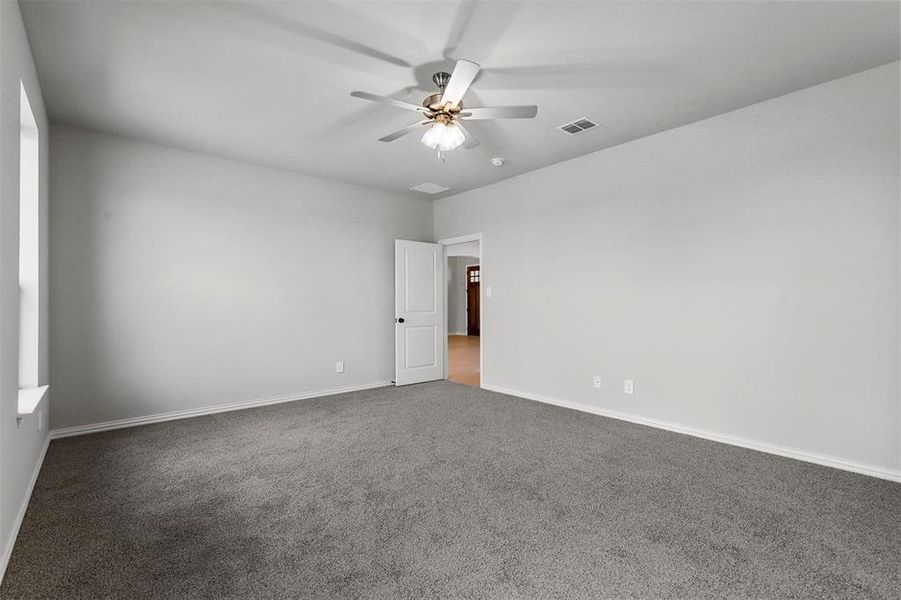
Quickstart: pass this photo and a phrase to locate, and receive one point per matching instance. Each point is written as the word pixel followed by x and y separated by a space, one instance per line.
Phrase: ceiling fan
pixel 443 112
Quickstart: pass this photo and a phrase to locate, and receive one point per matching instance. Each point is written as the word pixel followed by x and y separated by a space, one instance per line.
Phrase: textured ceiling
pixel 269 82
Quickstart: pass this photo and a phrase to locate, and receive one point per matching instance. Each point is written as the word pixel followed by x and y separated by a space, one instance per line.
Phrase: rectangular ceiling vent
pixel 429 188
pixel 578 126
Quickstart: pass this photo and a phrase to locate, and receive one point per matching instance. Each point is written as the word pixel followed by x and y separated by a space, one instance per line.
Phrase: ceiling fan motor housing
pixel 433 102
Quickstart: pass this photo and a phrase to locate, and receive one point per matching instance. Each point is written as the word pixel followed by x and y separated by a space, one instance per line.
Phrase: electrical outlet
pixel 597 381
pixel 339 366
pixel 629 386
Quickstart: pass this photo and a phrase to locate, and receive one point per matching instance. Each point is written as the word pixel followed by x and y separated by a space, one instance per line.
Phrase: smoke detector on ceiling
pixel 429 188
pixel 497 161
pixel 578 126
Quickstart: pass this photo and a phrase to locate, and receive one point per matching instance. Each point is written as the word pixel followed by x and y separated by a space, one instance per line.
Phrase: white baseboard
pixel 457 333
pixel 17 523
pixel 788 452
pixel 209 410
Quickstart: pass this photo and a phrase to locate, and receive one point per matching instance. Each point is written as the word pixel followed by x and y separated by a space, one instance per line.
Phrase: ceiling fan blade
pixel 500 112
pixel 471 141
pixel 465 11
pixel 462 77
pixel 478 26
pixel 357 122
pixel 580 75
pixel 387 100
pixel 402 132
pixel 492 133
pixel 284 22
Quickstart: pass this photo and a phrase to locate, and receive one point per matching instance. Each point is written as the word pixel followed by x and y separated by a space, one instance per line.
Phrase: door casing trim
pixel 472 237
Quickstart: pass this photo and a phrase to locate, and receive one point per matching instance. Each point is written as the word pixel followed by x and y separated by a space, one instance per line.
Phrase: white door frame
pixel 472 237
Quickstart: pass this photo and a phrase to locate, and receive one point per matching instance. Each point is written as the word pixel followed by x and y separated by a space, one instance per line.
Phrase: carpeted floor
pixel 443 490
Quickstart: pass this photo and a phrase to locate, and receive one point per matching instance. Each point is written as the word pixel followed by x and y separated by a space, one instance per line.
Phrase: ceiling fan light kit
pixel 444 113
pixel 443 137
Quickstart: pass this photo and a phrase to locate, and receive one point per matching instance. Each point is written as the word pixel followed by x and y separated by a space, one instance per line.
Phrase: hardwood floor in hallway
pixel 463 359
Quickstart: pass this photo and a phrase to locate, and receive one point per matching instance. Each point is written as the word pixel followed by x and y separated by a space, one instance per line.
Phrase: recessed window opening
pixel 29 175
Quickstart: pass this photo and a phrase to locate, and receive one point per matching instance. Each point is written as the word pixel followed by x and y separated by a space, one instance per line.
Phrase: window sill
pixel 29 399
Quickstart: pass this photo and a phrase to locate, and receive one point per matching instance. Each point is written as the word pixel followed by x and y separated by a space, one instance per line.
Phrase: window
pixel 29 257
pixel 473 274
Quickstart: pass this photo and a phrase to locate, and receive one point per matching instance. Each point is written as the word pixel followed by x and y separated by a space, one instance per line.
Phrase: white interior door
pixel 419 312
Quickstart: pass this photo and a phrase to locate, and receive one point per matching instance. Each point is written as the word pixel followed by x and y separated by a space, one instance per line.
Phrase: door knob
pixel 399 320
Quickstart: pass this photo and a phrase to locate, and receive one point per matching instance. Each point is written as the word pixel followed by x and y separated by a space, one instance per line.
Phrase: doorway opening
pixel 464 303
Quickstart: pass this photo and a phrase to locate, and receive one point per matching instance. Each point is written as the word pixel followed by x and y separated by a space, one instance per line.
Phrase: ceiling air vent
pixel 429 188
pixel 578 126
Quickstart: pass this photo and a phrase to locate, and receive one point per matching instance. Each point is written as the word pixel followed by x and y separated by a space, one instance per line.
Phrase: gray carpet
pixel 440 490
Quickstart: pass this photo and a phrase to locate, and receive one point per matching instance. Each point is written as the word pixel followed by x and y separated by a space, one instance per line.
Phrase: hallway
pixel 463 359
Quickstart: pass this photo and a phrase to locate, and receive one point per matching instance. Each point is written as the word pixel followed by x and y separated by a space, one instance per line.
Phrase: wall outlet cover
pixel 629 386
pixel 339 366
pixel 597 381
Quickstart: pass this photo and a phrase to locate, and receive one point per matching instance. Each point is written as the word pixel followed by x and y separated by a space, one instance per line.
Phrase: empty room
pixel 450 299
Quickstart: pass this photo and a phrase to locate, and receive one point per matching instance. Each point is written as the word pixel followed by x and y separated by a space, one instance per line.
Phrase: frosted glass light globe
pixel 443 137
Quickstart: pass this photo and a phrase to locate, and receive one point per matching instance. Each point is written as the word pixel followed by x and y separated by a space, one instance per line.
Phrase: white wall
pixel 456 292
pixel 182 281
pixel 743 270
pixel 20 447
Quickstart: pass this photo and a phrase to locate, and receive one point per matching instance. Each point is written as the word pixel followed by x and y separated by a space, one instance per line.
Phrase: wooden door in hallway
pixel 473 277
